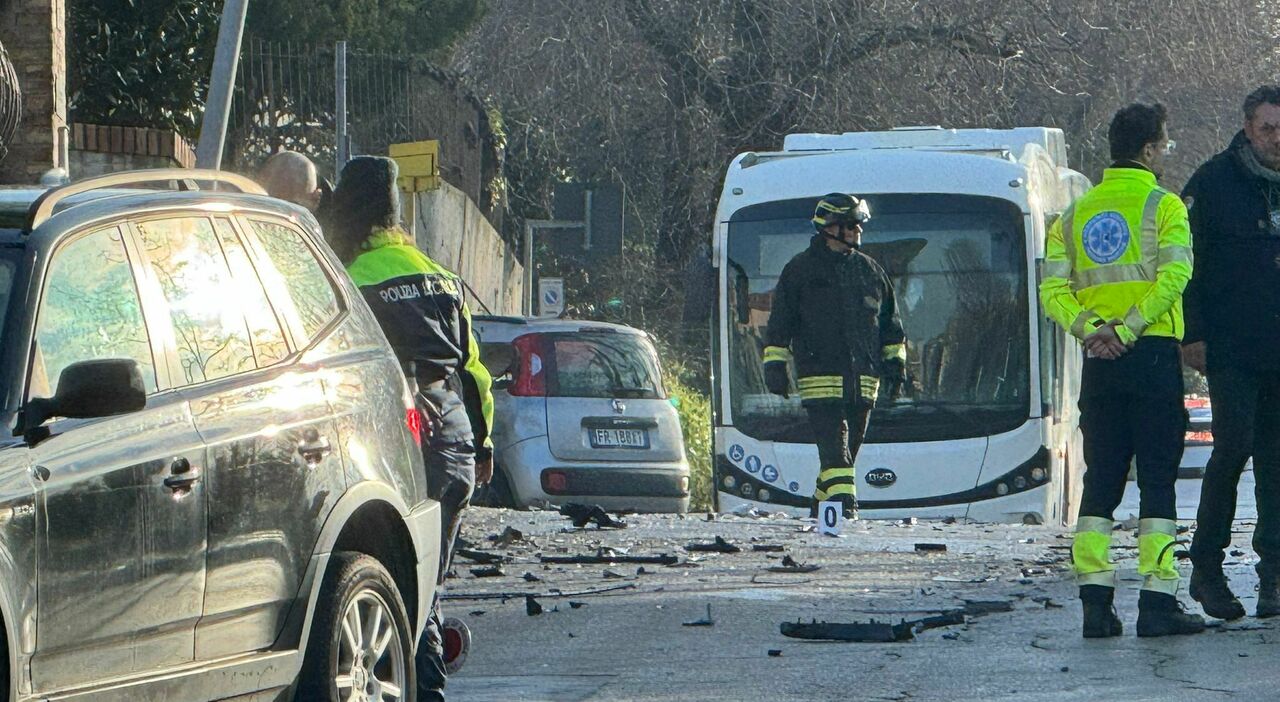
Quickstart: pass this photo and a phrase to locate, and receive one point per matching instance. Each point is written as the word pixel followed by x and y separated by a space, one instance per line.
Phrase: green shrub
pixel 694 409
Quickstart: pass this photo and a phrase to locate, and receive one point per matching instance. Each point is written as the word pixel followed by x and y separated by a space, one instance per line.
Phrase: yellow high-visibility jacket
pixel 1120 252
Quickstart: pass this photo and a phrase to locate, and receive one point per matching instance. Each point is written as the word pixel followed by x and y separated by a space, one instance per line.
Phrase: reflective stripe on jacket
pixel 1122 252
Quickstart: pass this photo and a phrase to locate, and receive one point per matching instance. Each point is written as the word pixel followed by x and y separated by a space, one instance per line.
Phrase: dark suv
pixel 212 486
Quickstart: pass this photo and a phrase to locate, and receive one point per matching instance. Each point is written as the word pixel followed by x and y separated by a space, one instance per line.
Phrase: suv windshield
pixel 604 365
pixel 958 268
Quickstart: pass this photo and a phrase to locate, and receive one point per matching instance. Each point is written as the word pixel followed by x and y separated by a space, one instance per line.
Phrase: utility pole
pixel 340 98
pixel 217 107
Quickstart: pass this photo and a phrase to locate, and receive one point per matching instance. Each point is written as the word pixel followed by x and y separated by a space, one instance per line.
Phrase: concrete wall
pixel 34 34
pixel 451 229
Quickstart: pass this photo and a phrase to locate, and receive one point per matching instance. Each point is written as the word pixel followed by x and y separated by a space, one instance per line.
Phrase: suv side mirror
pixel 91 389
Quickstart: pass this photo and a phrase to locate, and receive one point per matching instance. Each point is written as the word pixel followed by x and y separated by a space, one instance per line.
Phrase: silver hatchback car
pixel 581 415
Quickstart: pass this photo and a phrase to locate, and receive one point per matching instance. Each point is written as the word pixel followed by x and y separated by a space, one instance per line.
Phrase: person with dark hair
pixel 834 313
pixel 421 309
pixel 1233 336
pixel 1116 264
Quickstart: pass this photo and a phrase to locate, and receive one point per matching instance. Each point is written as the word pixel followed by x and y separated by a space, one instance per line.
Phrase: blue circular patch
pixel 1105 237
pixel 736 453
pixel 794 486
pixel 770 474
pixel 753 464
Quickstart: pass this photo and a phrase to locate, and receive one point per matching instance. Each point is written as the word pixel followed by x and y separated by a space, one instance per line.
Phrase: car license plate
pixel 619 438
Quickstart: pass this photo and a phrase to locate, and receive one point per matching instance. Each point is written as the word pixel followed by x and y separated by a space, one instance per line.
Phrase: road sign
pixel 550 297
pixel 600 209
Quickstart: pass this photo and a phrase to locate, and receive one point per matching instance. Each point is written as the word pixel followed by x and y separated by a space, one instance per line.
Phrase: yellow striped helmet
pixel 839 208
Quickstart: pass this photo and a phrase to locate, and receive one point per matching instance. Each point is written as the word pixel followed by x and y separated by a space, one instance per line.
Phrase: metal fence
pixel 285 98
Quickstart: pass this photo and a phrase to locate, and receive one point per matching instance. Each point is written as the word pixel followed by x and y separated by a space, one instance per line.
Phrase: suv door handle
pixel 314 448
pixel 181 475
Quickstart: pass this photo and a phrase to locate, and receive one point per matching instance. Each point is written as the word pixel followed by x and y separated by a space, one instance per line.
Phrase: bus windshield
pixel 958 267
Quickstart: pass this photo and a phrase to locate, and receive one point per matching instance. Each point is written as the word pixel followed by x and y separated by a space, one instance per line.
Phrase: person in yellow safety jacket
pixel 1116 264
pixel 835 315
pixel 421 309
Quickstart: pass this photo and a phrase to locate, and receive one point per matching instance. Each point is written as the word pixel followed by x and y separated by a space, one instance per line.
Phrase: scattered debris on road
pixel 610 557
pixel 509 536
pixel 931 548
pixel 775 652
pixel 858 632
pixel 975 608
pixel 717 546
pixel 768 548
pixel 488 572
pixel 582 515
pixel 531 606
pixel 531 578
pixel 705 621
pixel 790 565
pixel 481 557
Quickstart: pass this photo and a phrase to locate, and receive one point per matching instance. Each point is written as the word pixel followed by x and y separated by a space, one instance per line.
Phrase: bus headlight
pixel 763 495
pixel 730 482
pixel 1002 489
pixel 747 491
pixel 1019 483
pixel 1039 474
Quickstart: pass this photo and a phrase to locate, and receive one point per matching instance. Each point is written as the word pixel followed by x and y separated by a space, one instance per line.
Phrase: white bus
pixel 986 427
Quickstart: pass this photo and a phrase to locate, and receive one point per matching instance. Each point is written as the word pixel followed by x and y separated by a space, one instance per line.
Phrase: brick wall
pixel 98 150
pixel 34 33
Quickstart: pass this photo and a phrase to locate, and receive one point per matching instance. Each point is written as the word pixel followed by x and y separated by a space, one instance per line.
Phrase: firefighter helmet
pixel 839 208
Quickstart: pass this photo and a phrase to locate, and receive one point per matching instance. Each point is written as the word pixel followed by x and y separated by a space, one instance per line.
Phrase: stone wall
pixel 453 231
pixel 34 34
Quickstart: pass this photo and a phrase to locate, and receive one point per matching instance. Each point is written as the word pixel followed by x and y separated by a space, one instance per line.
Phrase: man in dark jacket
pixel 421 309
pixel 834 315
pixel 1233 335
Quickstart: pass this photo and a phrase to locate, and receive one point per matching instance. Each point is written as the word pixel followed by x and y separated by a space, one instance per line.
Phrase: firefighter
pixel 835 317
pixel 421 309
pixel 1116 264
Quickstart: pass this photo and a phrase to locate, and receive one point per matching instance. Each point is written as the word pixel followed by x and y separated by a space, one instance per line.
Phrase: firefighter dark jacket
pixel 836 316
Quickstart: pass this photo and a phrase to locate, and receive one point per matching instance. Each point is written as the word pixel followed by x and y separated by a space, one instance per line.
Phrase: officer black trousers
pixel 838 429
pixel 1246 422
pixel 1133 407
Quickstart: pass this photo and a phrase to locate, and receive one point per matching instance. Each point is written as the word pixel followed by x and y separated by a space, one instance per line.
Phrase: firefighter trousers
pixel 838 430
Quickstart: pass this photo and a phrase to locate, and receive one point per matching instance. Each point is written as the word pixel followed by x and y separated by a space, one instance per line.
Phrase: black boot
pixel 849 506
pixel 1268 597
pixel 1100 620
pixel 1162 615
pixel 1209 588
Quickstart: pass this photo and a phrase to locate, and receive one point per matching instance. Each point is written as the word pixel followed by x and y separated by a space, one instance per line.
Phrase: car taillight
pixel 530 376
pixel 413 420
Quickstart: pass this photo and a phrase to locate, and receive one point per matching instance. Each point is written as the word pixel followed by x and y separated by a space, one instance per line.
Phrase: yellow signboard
pixel 419 163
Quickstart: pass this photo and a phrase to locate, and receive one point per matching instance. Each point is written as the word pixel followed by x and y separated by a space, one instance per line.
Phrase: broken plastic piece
pixel 508 536
pixel 775 652
pixel 717 546
pixel 531 606
pixel 768 548
pixel 530 577
pixel 706 621
pixel 488 572
pixel 976 608
pixel 789 565
pixel 581 515
pixel 481 557
pixel 608 558
pixel 864 632
pixel 931 548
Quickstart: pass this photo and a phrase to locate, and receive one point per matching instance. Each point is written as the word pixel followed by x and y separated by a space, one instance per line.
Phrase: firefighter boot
pixel 1100 620
pixel 848 506
pixel 1268 597
pixel 1161 614
pixel 1210 589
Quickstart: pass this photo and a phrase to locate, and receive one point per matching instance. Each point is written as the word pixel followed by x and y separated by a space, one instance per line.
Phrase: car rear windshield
pixel 604 365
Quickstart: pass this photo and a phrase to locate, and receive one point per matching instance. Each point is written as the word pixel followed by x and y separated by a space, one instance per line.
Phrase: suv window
pixel 209 326
pixel 269 346
pixel 304 278
pixel 90 311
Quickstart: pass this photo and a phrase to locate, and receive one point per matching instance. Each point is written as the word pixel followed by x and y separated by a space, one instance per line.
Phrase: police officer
pixel 421 309
pixel 834 315
pixel 1233 335
pixel 1116 263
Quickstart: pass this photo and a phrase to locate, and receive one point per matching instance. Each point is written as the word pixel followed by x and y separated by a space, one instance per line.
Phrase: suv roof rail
pixel 187 179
